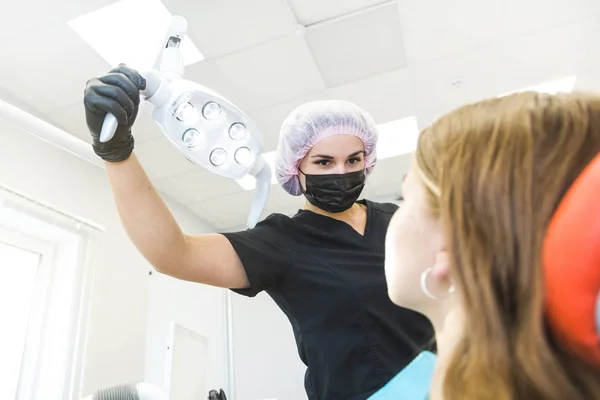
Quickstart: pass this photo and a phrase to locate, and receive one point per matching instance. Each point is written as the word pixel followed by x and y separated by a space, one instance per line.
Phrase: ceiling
pixel 393 58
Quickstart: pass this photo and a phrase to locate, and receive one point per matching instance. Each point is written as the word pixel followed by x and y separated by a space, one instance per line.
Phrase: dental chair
pixel 571 257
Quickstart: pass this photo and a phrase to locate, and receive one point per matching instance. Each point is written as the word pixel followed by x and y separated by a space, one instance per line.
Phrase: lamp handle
pixel 110 124
pixel 262 173
pixel 109 127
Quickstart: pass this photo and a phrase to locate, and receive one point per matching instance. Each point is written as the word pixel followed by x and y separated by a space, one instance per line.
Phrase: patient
pixel 464 249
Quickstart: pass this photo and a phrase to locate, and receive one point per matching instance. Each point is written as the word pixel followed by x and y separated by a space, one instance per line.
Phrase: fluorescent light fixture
pixel 395 138
pixel 564 85
pixel 129 31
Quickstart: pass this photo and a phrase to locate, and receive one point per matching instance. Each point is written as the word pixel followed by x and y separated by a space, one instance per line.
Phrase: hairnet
pixel 313 122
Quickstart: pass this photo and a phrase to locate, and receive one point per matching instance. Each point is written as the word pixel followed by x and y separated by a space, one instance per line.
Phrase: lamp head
pixel 208 129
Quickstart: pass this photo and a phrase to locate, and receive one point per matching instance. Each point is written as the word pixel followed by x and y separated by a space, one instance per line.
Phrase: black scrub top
pixel 329 280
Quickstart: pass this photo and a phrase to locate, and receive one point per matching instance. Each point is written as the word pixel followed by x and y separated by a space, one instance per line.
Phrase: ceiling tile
pixel 49 69
pixel 358 46
pixel 310 12
pixel 282 202
pixel 197 185
pixel 24 97
pixel 207 73
pixel 270 119
pixel 387 96
pixel 443 85
pixel 186 225
pixel 161 159
pixel 273 73
pixel 234 224
pixel 226 208
pixel 204 214
pixel 72 120
pixel 221 27
pixel 234 228
pixel 17 100
pixel 457 26
pixel 278 196
pixel 145 128
pixel 222 227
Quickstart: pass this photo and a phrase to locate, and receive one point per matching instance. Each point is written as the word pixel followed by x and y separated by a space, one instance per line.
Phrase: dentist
pixel 323 267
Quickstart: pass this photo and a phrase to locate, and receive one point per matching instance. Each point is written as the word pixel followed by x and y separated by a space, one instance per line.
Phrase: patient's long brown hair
pixel 495 172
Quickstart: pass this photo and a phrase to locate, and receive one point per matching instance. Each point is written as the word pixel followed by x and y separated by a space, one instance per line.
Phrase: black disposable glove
pixel 117 92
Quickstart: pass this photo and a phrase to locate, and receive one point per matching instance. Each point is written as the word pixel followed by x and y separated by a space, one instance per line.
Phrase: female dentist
pixel 324 267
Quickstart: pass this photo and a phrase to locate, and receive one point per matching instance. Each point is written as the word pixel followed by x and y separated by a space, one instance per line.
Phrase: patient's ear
pixel 441 267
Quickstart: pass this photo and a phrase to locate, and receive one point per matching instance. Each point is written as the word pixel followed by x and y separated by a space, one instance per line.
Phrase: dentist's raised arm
pixel 208 259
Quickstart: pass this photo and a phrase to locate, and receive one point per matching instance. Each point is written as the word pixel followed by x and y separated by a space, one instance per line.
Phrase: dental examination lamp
pixel 206 128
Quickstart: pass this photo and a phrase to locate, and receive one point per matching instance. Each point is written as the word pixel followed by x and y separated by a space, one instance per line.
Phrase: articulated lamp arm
pixel 204 126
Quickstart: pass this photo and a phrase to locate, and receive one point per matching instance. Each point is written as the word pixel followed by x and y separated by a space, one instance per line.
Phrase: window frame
pixel 64 240
pixel 34 326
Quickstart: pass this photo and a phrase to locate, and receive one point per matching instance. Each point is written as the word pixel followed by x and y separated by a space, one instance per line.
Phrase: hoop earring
pixel 426 290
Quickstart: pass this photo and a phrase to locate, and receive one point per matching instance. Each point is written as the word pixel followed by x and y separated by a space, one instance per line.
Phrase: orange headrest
pixel 571 259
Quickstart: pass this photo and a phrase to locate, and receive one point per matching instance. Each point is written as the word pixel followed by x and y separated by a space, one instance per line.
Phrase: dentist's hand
pixel 118 93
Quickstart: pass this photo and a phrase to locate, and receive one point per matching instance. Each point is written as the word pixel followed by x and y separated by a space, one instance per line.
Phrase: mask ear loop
pixel 428 292
pixel 302 188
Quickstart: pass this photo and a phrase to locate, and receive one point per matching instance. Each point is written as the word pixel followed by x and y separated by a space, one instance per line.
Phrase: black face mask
pixel 334 193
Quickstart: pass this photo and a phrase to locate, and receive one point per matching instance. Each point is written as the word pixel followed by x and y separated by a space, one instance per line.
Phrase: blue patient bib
pixel 412 383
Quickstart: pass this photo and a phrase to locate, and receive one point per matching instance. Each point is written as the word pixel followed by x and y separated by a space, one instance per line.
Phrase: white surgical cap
pixel 313 122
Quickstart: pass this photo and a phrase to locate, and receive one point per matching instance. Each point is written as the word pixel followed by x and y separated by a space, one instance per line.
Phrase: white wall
pixel 197 307
pixel 267 365
pixel 116 342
